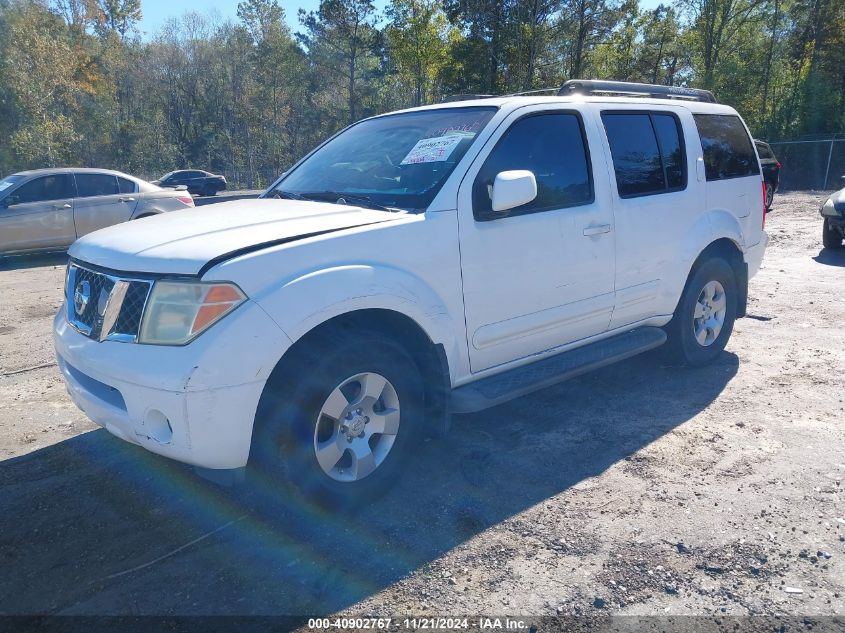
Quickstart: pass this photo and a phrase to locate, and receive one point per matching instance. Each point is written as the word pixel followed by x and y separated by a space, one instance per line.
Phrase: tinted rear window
pixel 728 152
pixel 647 150
pixel 96 185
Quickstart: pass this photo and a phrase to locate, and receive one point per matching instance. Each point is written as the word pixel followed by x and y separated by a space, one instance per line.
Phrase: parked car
pixel 48 209
pixel 771 170
pixel 198 182
pixel 833 220
pixel 441 259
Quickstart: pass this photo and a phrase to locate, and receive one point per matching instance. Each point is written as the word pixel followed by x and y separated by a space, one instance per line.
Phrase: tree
pixel 115 16
pixel 340 38
pixel 418 43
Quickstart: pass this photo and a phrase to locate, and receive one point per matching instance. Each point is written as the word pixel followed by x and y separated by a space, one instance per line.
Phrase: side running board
pixel 492 391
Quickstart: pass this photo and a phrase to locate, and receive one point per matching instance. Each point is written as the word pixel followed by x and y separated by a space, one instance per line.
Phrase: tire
pixel 317 406
pixel 830 237
pixel 770 195
pixel 691 340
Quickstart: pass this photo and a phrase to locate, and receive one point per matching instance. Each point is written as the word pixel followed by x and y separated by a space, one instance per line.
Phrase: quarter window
pixel 647 151
pixel 44 189
pixel 125 185
pixel 728 152
pixel 552 147
pixel 96 185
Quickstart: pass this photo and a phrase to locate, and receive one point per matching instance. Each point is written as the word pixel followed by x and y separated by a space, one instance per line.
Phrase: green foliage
pixel 79 87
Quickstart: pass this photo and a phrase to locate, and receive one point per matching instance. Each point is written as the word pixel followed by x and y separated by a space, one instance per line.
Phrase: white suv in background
pixel 435 260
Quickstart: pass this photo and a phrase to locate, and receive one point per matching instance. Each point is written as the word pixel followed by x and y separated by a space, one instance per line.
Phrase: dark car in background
pixel 771 170
pixel 197 181
pixel 833 217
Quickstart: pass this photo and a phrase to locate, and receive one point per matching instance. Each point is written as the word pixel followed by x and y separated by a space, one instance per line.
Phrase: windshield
pixel 166 176
pixel 399 160
pixel 8 181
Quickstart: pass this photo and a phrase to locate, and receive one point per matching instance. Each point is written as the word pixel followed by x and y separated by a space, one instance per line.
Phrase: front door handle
pixel 66 205
pixel 597 230
pixel 126 199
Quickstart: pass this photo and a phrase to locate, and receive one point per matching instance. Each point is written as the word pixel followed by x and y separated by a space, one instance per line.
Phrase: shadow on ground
pixel 95 526
pixel 831 257
pixel 21 262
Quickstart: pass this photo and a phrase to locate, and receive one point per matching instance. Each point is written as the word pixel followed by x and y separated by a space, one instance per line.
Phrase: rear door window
pixel 648 152
pixel 90 185
pixel 728 152
pixel 45 188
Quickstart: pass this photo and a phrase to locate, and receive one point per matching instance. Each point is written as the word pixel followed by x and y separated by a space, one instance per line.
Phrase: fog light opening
pixel 158 427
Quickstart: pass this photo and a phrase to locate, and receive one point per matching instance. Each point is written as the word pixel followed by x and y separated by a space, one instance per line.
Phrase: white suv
pixel 435 260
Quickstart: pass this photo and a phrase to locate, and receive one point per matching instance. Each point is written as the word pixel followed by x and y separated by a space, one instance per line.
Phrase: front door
pixel 540 275
pixel 38 215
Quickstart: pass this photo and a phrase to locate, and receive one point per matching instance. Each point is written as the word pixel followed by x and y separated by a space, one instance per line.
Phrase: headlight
pixel 828 208
pixel 179 311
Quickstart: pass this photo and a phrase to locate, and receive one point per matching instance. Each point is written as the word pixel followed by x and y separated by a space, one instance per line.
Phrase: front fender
pixel 304 302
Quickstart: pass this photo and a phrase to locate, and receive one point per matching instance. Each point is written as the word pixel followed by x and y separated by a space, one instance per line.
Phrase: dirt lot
pixel 639 489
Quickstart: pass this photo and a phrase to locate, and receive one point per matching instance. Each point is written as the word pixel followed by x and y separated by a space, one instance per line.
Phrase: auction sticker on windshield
pixel 432 150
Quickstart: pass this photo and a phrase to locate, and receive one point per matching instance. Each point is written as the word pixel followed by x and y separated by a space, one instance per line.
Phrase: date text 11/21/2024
pixel 419 623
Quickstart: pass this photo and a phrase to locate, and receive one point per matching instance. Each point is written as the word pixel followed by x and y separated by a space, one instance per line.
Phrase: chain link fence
pixel 811 163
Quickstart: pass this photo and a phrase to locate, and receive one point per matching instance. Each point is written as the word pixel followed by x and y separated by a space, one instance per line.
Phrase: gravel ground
pixel 640 489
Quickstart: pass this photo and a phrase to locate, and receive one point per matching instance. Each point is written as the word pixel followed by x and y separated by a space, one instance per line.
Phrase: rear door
pixel 39 215
pixel 100 203
pixel 655 203
pixel 541 275
pixel 732 171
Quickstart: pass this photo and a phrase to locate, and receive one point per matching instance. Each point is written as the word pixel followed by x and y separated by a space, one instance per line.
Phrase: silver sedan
pixel 48 209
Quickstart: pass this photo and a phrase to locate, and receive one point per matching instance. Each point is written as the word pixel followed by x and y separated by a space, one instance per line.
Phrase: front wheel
pixel 830 238
pixel 704 318
pixel 345 429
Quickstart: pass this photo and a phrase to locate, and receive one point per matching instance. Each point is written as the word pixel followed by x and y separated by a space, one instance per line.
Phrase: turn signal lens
pixel 177 312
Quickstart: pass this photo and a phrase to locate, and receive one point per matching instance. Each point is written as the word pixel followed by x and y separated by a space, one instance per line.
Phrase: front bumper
pixel 754 255
pixel 195 404
pixel 836 222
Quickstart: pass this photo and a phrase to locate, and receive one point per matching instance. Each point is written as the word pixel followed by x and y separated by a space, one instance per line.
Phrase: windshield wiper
pixel 289 195
pixel 335 197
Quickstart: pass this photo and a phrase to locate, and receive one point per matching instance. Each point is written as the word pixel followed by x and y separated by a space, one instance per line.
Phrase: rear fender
pixel 709 227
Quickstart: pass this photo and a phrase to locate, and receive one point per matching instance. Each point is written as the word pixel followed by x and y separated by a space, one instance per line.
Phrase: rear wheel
pixel 830 237
pixel 704 318
pixel 343 430
pixel 770 195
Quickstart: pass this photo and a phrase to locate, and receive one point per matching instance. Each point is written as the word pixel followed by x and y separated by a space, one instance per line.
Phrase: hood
pixel 184 242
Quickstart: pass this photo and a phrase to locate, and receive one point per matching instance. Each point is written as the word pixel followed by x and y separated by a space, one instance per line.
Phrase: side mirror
pixel 513 189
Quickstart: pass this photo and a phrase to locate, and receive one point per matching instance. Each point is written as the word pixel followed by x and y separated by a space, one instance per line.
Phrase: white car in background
pixel 442 259
pixel 49 209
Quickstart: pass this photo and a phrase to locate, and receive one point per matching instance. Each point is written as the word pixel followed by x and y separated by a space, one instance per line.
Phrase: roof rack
pixel 625 88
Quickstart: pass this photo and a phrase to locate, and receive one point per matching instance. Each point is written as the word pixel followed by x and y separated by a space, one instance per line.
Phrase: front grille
pixel 129 319
pixel 89 293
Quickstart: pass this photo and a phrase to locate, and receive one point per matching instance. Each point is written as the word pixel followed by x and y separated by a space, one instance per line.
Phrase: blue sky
pixel 156 12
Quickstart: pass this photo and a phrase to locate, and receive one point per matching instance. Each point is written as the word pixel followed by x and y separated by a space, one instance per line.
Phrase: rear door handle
pixel 597 230
pixel 126 199
pixel 66 205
